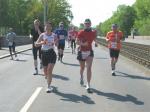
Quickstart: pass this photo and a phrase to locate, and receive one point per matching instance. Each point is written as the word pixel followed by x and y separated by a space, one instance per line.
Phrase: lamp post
pixel 45 9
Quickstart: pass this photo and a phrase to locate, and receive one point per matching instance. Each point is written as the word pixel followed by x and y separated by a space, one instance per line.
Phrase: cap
pixel 36 20
pixel 87 21
pixel 114 26
pixel 61 23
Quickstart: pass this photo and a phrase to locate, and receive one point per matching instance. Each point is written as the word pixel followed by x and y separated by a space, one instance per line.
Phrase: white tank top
pixel 50 41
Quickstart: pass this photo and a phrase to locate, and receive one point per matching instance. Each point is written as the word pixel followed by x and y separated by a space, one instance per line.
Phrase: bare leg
pixel 45 72
pixel 89 61
pixel 82 66
pixel 49 73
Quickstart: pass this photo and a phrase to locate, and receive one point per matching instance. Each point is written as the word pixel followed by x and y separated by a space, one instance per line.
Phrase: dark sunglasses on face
pixel 87 23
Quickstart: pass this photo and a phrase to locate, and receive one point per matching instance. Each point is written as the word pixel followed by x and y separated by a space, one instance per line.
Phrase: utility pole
pixel 45 3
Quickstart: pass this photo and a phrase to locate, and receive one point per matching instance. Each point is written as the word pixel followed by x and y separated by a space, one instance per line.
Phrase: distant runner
pixel 114 44
pixel 72 35
pixel 11 38
pixel 61 35
pixel 35 32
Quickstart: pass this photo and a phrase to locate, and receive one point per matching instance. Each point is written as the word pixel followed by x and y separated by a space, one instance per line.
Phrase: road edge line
pixel 31 99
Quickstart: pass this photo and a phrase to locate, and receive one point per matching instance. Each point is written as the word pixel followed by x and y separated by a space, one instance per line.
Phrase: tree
pixel 124 17
pixel 21 13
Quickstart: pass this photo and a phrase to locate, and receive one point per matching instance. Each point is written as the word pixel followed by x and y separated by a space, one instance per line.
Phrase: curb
pixel 7 55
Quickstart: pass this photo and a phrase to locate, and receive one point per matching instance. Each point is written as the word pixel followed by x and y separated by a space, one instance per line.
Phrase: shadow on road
pixel 57 77
pixel 132 76
pixel 101 58
pixel 70 64
pixel 60 77
pixel 20 60
pixel 25 53
pixel 73 98
pixel 117 97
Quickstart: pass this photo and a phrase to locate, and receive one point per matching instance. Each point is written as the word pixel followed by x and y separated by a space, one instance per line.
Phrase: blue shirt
pixel 61 35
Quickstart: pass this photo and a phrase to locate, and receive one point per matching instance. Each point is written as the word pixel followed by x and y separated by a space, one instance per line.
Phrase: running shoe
pixel 81 82
pixel 89 90
pixel 36 72
pixel 113 73
pixel 49 89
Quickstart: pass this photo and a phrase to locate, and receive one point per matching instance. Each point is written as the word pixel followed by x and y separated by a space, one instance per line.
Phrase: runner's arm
pixel 40 41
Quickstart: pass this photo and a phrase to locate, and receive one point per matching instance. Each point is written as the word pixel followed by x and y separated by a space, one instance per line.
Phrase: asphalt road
pixel 20 91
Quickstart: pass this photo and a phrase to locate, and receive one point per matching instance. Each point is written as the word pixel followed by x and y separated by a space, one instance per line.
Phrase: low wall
pixel 20 40
pixel 139 37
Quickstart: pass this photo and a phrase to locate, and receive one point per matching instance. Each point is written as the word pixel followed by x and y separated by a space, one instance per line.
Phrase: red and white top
pixel 72 34
pixel 88 37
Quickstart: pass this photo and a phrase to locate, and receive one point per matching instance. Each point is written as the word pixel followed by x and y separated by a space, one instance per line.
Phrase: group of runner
pixel 44 41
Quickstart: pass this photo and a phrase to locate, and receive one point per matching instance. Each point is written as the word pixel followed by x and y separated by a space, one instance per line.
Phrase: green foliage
pixel 124 17
pixel 20 14
pixel 81 26
pixel 130 17
pixel 142 22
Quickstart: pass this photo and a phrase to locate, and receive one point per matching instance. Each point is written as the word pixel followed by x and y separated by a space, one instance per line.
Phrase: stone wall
pixel 20 40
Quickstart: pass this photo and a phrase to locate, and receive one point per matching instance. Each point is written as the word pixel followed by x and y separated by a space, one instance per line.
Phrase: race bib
pixel 61 37
pixel 85 54
pixel 51 43
pixel 113 44
pixel 10 43
pixel 73 38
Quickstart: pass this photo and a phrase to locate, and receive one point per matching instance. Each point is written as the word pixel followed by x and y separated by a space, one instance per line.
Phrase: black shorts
pixel 12 48
pixel 79 55
pixel 48 57
pixel 61 46
pixel 114 53
pixel 73 44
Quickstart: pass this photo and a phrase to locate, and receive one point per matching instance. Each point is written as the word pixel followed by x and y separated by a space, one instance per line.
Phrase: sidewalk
pixel 145 41
pixel 4 52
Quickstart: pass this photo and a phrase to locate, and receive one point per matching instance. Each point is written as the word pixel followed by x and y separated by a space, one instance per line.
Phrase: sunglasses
pixel 87 23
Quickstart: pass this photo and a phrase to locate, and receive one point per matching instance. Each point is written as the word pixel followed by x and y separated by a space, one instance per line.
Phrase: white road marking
pixel 30 101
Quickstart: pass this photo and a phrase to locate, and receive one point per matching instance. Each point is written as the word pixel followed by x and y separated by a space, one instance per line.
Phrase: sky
pixel 97 10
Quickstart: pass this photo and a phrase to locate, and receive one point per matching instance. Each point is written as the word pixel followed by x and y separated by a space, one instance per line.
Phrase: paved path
pixel 129 91
pixel 4 52
pixel 138 40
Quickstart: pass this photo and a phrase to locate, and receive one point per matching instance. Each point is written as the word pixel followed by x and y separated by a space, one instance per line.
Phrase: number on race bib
pixel 113 44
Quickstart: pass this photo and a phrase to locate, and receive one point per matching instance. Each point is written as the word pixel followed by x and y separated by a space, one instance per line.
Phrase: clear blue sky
pixel 97 10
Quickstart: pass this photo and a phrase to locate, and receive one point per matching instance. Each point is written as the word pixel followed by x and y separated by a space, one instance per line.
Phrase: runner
pixel 11 37
pixel 72 34
pixel 114 44
pixel 85 54
pixel 61 35
pixel 35 32
pixel 47 40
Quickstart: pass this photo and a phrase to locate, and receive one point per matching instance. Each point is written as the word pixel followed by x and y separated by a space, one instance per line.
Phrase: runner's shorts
pixel 114 53
pixel 61 46
pixel 81 56
pixel 48 57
